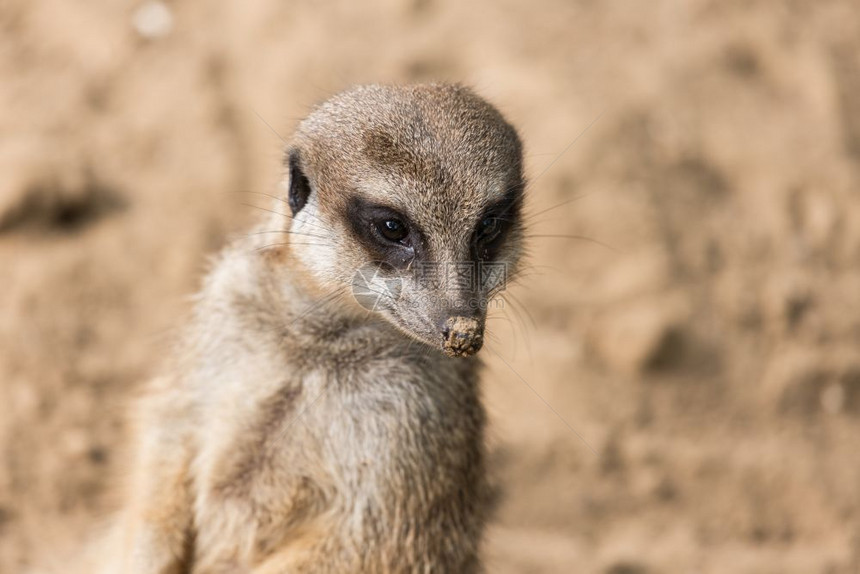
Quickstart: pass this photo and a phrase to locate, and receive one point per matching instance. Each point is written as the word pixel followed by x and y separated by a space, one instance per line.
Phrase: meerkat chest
pixel 364 446
pixel 380 427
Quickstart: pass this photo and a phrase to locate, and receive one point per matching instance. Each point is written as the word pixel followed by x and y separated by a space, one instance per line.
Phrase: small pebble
pixel 152 20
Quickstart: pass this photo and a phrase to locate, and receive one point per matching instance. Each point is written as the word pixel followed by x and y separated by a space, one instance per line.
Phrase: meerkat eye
pixel 488 234
pixel 489 228
pixel 392 229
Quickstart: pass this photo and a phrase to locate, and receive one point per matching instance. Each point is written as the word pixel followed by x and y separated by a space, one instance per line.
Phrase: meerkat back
pixel 322 412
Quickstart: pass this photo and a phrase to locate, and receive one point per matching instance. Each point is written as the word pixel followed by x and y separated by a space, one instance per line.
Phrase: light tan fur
pixel 297 432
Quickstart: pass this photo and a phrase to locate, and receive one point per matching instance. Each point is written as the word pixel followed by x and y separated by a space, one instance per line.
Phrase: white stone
pixel 152 19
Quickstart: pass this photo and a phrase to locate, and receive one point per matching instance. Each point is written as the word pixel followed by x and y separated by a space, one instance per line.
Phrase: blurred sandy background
pixel 710 359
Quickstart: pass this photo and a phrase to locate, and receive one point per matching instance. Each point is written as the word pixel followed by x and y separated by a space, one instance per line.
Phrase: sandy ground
pixel 683 400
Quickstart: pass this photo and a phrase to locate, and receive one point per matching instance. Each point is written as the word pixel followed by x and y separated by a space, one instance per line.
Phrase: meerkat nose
pixel 462 336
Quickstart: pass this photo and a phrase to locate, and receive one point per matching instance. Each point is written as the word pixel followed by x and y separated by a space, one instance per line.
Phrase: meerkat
pixel 297 431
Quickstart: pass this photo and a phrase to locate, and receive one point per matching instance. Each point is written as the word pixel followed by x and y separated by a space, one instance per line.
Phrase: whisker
pixel 262 247
pixel 493 338
pixel 524 308
pixel 280 199
pixel 563 203
pixel 286 232
pixel 367 286
pixel 553 162
pixel 321 225
pixel 286 215
pixel 266 209
pixel 324 301
pixel 578 237
pixel 524 330
pixel 544 401
pixel 275 197
pixel 270 128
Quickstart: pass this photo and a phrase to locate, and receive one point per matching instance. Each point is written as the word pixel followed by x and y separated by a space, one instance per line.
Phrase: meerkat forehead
pixel 436 149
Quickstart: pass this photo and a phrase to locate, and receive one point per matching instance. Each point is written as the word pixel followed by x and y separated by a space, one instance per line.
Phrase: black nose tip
pixel 462 336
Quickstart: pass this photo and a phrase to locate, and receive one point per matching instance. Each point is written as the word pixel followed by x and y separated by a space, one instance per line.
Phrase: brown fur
pixel 298 432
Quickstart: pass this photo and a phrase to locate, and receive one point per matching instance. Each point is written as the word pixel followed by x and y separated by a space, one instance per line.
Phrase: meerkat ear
pixel 299 186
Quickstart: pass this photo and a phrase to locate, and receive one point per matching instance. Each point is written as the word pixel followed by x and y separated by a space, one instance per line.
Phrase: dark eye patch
pixel 387 234
pixel 495 222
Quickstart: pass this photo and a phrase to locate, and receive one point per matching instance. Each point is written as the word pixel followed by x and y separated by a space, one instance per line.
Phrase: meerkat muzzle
pixel 462 336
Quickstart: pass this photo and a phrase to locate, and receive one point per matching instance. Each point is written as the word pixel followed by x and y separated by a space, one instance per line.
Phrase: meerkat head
pixel 412 196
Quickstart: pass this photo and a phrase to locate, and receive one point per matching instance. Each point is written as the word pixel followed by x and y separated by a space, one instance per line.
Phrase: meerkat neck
pixel 286 299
